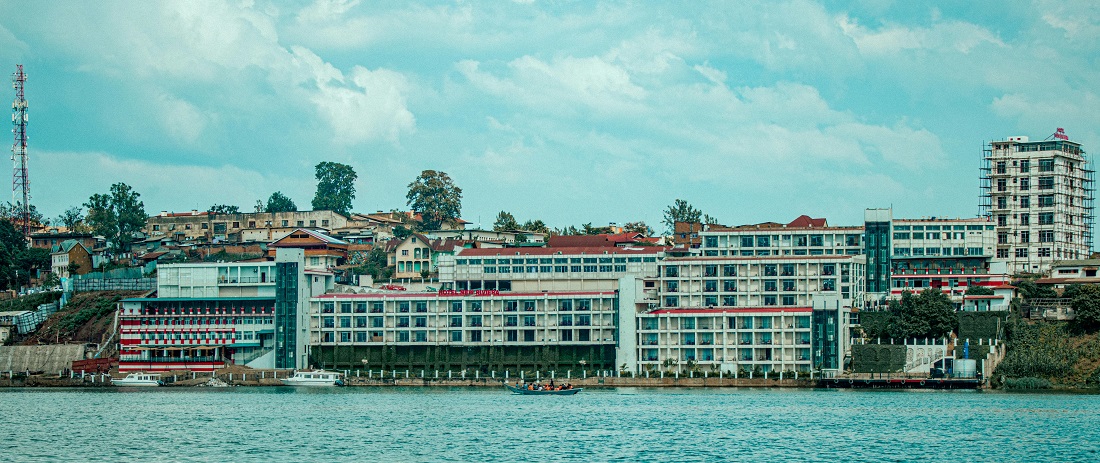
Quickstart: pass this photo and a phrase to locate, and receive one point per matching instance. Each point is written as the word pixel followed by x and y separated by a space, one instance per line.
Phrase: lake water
pixel 476 424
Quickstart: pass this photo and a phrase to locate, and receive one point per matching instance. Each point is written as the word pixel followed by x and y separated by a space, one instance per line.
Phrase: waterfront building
pixel 548 269
pixel 1039 195
pixel 761 314
pixel 488 330
pixel 209 315
pixel 949 254
pixel 1069 272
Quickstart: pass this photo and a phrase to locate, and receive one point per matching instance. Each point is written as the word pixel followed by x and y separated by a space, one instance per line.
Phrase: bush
pixel 1027 383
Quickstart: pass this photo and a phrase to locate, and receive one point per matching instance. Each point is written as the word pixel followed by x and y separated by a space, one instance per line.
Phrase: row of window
pixel 767 241
pixel 938 252
pixel 730 270
pixel 555 269
pixel 1025 201
pixel 788 300
pixel 451 306
pixel 1045 165
pixel 555 260
pixel 711 286
pixel 454 321
pixel 1045 218
pixel 454 336
pixel 251 224
pixel 942 227
pixel 747 322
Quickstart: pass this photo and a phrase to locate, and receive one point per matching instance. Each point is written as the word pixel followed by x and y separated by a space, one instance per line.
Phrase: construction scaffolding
pixel 1040 197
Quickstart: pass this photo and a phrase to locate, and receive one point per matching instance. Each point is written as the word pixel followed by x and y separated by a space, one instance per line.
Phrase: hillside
pixel 88 317
pixel 1048 354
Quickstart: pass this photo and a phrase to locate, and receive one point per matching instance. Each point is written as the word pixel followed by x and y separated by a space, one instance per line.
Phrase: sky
pixel 568 112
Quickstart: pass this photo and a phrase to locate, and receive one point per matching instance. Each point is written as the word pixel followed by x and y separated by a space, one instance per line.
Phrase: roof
pixel 777 258
pixel 315 234
pixel 1076 263
pixel 1055 281
pixel 984 297
pixel 499 294
pixel 804 221
pixel 152 255
pixel 67 245
pixel 197 299
pixel 597 250
pixel 563 241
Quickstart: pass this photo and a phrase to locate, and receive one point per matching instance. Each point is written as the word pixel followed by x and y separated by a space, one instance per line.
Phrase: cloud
pixel 958 36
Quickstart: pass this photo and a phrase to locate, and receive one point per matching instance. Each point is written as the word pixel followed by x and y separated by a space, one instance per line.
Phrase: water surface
pixel 476 424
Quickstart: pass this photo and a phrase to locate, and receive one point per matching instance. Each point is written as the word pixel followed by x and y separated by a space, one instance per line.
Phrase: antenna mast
pixel 20 183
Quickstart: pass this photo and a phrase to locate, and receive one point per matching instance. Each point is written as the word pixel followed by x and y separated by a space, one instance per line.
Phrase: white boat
pixel 139 379
pixel 314 378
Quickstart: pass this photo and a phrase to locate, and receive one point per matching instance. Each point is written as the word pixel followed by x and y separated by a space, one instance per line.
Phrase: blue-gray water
pixel 387 424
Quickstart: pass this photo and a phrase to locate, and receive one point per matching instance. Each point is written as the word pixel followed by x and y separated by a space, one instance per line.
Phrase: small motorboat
pixel 525 391
pixel 138 380
pixel 314 378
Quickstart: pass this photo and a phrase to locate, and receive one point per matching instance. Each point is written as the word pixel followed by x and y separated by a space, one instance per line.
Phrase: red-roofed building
pixel 595 268
pixel 321 250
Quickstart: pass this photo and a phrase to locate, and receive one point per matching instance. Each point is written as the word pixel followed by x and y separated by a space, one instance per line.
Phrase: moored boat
pixel 314 378
pixel 139 380
pixel 525 391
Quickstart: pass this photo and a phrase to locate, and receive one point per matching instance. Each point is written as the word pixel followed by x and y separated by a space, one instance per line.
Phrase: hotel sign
pixel 469 292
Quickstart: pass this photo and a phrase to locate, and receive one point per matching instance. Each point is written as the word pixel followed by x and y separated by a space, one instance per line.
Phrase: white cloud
pixel 180 119
pixel 958 36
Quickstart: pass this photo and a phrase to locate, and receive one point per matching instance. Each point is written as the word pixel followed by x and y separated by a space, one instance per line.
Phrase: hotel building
pixel 1039 195
pixel 210 315
pixel 771 313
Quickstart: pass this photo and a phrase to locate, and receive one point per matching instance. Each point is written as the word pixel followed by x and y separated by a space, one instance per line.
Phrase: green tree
pixel 505 221
pixel 436 198
pixel 928 314
pixel 535 225
pixel 335 187
pixel 116 216
pixel 73 268
pixel 1086 306
pixel 680 211
pixel 73 219
pixel 376 265
pixel 13 249
pixel 1030 290
pixel 977 290
pixel 224 209
pixel 638 227
pixel 14 213
pixel 278 202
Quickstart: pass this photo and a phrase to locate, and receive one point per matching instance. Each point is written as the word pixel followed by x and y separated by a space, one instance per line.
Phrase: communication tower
pixel 20 183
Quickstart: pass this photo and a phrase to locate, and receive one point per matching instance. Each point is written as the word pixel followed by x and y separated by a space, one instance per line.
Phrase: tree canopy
pixel 436 198
pixel 1086 306
pixel 278 202
pixel 681 211
pixel 224 209
pixel 73 219
pixel 116 215
pixel 977 290
pixel 505 221
pixel 335 187
pixel 18 262
pixel 927 314
pixel 638 227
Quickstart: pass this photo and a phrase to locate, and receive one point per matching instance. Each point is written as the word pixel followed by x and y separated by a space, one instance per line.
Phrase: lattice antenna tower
pixel 20 183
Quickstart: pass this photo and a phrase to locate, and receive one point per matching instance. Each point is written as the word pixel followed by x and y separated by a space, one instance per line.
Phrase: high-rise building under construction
pixel 1039 195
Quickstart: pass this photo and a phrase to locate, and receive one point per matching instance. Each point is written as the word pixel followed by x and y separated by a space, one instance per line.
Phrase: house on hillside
pixel 70 253
pixel 415 254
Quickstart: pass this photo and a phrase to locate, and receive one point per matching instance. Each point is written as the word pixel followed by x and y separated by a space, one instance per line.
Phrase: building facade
pixel 549 269
pixel 488 330
pixel 801 237
pixel 1039 194
pixel 745 315
pixel 210 315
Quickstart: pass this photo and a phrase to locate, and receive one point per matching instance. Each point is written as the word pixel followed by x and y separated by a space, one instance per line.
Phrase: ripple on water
pixel 462 424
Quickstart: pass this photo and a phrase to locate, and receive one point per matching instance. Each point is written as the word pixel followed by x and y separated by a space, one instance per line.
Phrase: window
pixel 286 223
pixel 456 321
pixel 672 301
pixel 828 269
pixel 901 236
pixel 770 270
pixel 1025 236
pixel 769 300
pixel 828 284
pixel 1025 219
pixel 746 241
pixel 729 301
pixel 1025 166
pixel 710 286
pixel 1046 200
pixel 729 286
pixel 672 271
pixel 770 286
pixel 1002 184
pixel 1002 167
pixel 1002 220
pixel 456 336
pixel 1002 253
pixel 729 270
pixel 1021 252
pixel 787 270
pixel 1046 218
pixel 789 300
pixel 1025 183
pixel 763 241
pixel 1046 165
pixel 1046 183
pixel 1046 236
pixel 1043 252
pixel 789 285
pixel 1002 202
pixel 710 270
pixel 1025 202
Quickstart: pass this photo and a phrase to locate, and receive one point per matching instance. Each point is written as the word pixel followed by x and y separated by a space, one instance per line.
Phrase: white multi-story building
pixel 949 254
pixel 457 330
pixel 549 269
pixel 750 314
pixel 803 236
pixel 1039 195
